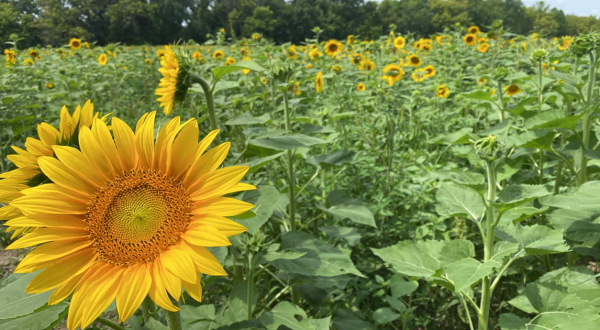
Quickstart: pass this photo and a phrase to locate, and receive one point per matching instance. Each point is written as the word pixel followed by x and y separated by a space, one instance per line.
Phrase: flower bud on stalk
pixel 488 148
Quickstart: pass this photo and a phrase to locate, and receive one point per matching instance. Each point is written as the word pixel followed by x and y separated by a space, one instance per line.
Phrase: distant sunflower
pixel 50 85
pixel 355 59
pixel 350 39
pixel 512 90
pixel 28 61
pixel 366 65
pixel 361 87
pixel 419 75
pixel 336 69
pixel 160 53
pixel 474 29
pixel 414 60
pixel 196 55
pixel 102 59
pixel 34 53
pixel 75 44
pixel 136 214
pixel 332 47
pixel 319 82
pixel 399 42
pixel 483 47
pixel 230 61
pixel 429 71
pixel 172 87
pixel 442 91
pixel 255 36
pixel 148 61
pixel 291 52
pixel 470 39
pixel 314 54
pixel 393 73
pixel 218 55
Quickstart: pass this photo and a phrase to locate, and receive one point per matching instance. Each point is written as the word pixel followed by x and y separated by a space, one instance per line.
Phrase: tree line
pixel 53 22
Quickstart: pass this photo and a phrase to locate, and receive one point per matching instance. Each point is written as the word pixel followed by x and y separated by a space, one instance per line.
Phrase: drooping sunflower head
pixel 361 87
pixel 218 55
pixel 230 61
pixel 174 84
pixel 75 44
pixel 102 59
pixel 399 42
pixel 482 48
pixel 314 54
pixel 414 60
pixel 442 91
pixel 28 61
pixel 474 29
pixel 135 214
pixel 319 82
pixel 34 53
pixel 332 47
pixel 470 39
pixel 292 52
pixel 512 90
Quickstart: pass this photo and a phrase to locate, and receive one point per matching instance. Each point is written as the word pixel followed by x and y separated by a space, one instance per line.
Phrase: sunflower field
pixel 450 182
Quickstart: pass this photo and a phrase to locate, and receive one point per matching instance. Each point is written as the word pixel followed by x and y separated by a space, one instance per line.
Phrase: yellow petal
pixel 205 164
pixel 54 250
pixel 48 220
pixel 144 139
pixel 64 290
pixel 178 262
pixel 186 141
pixel 222 206
pixel 205 236
pixel 106 142
pixel 204 260
pixel 239 187
pixel 60 174
pixel 194 289
pixel 133 289
pixel 163 141
pixel 76 161
pixel 217 182
pixel 44 235
pixel 125 140
pixel 92 150
pixel 158 293
pixel 225 226
pixel 62 271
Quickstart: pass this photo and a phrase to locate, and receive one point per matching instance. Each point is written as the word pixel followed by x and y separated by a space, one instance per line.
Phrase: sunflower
pixel 160 53
pixel 255 36
pixel 512 90
pixel 474 29
pixel 442 91
pixel 34 53
pixel 87 45
pixel 366 65
pixel 135 214
pixel 148 61
pixel 102 59
pixel 429 71
pixel 28 61
pixel 524 46
pixel 50 85
pixel 295 88
pixel 291 52
pixel 414 60
pixel 356 59
pixel 314 53
pixel 336 69
pixel 196 56
pixel 361 87
pixel 392 73
pixel 11 57
pixel 319 82
pixel 26 160
pixel 265 81
pixel 75 44
pixel 419 75
pixel 218 55
pixel 399 42
pixel 230 61
pixel 172 87
pixel 332 47
pixel 483 47
pixel 470 39
pixel 245 71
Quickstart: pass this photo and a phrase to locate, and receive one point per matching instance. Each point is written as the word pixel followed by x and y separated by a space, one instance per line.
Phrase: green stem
pixel 488 245
pixel 582 177
pixel 109 323
pixel 148 309
pixel 249 282
pixel 464 303
pixel 292 183
pixel 173 319
pixel 208 93
pixel 501 94
pixel 540 95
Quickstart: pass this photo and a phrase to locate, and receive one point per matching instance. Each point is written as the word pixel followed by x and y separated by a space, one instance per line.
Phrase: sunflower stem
pixel 488 245
pixel 173 319
pixel 249 282
pixel 148 309
pixel 109 323
pixel 208 93
pixel 582 177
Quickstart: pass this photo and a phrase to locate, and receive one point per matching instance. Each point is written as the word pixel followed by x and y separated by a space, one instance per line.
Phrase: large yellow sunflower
pixel 129 215
pixel 474 29
pixel 333 47
pixel 414 60
pixel 218 55
pixel 470 39
pixel 171 87
pixel 75 43
pixel 26 160
pixel 102 59
pixel 430 71
pixel 34 53
pixel 483 47
pixel 399 42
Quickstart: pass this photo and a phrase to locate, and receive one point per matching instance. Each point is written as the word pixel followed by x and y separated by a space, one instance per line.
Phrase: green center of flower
pixel 137 216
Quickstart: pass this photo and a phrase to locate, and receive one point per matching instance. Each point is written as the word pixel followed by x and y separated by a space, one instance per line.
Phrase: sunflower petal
pixel 44 235
pixel 223 206
pixel 205 236
pixel 179 263
pixel 132 291
pixel 63 270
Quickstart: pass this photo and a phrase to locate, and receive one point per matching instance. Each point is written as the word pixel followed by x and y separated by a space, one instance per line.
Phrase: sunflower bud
pixel 585 44
pixel 501 73
pixel 539 54
pixel 488 148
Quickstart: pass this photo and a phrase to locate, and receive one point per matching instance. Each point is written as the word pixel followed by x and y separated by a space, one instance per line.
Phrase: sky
pixel 577 7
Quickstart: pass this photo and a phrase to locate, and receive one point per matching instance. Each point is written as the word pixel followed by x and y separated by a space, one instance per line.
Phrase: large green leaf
pixel 285 141
pixel 418 258
pixel 401 287
pixel 552 119
pixel 221 71
pixel 286 314
pixel 385 315
pixel 247 119
pixel 347 320
pixel 199 317
pixel 336 158
pixel 15 302
pixel 515 195
pixel 454 199
pixel 466 272
pixel 41 319
pixel 357 213
pixel 321 258
pixel 535 240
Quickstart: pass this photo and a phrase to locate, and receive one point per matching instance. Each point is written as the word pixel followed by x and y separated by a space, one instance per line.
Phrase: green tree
pixel 262 21
pixel 447 12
